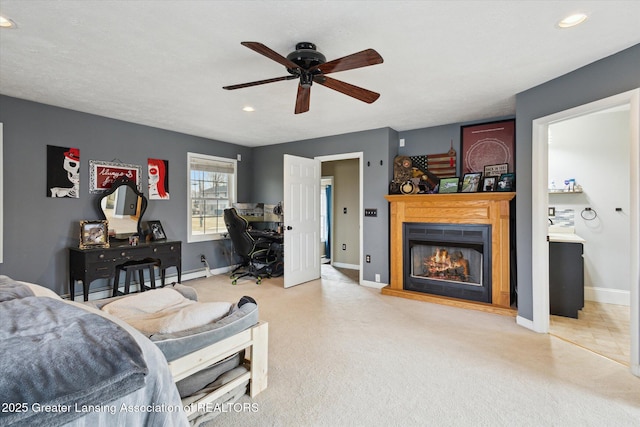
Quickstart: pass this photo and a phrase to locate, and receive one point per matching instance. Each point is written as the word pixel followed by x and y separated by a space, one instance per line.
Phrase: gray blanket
pixel 57 358
pixel 10 289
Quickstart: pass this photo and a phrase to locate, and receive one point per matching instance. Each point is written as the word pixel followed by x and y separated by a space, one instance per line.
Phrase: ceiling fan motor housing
pixel 306 56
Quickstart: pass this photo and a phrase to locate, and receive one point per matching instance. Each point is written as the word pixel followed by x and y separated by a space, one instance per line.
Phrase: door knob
pixel 289 227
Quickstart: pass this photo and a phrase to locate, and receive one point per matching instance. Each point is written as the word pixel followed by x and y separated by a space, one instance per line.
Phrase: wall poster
pixel 158 179
pixel 488 144
pixel 63 172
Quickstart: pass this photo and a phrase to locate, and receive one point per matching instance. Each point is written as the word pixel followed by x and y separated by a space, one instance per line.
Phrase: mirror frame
pixel 117 184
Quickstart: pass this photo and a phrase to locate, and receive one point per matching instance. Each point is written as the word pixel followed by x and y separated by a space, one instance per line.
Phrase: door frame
pixel 348 156
pixel 540 202
pixel 331 240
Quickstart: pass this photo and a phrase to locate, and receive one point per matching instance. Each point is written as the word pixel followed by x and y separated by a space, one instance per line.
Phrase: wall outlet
pixel 203 258
pixel 377 278
pixel 344 246
pixel 368 258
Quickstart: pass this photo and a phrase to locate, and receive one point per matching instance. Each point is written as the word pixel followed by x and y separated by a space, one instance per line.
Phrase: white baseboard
pixel 525 323
pixel 375 285
pixel 607 296
pixel 344 265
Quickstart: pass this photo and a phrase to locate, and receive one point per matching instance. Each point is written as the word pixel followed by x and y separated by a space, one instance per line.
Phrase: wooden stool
pixel 130 268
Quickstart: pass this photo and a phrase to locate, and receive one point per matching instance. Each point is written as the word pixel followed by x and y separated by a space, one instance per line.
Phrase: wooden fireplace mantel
pixel 459 208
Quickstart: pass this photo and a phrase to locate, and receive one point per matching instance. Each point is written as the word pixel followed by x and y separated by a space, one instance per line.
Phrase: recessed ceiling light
pixel 572 20
pixel 248 109
pixel 6 23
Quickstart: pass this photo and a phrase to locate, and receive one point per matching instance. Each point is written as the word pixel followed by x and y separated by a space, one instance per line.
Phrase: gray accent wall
pixel 607 77
pixel 39 229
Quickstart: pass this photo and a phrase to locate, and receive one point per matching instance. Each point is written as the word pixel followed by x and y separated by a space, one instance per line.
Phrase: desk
pixel 88 265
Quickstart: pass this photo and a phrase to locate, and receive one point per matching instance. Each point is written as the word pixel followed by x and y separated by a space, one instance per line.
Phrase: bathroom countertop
pixel 564 235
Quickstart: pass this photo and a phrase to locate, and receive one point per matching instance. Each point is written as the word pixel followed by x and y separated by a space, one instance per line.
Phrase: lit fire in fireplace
pixel 447 265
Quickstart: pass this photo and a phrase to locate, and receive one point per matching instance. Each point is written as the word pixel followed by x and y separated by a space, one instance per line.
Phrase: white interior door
pixel 301 220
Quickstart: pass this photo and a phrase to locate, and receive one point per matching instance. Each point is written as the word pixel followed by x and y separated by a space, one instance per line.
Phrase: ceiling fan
pixel 309 66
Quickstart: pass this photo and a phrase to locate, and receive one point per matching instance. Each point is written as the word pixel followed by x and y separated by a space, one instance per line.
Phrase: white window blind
pixel 212 189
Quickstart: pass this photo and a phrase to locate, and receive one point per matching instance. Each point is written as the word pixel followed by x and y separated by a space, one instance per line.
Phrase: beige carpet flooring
pixel 345 355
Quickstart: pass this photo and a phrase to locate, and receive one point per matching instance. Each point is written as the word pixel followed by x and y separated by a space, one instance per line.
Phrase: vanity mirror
pixel 123 206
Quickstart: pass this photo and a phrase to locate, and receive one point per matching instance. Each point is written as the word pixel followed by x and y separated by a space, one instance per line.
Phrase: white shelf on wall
pixel 564 192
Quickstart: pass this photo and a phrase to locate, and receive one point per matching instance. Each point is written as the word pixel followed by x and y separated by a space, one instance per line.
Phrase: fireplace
pixel 451 260
pixel 468 223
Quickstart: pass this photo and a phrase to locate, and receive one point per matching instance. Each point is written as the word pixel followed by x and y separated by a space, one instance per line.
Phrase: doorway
pixel 326 219
pixel 345 230
pixel 540 247
pixel 601 174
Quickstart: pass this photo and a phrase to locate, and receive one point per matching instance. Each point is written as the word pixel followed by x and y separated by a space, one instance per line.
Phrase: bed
pixel 68 363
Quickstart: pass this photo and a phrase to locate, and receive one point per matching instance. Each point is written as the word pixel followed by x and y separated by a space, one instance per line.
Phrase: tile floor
pixel 601 328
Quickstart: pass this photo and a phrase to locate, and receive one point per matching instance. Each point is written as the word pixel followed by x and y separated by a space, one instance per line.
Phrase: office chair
pixel 257 255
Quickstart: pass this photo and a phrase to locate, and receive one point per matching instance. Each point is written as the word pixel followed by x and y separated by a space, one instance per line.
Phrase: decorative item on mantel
pixel 443 165
pixel 410 176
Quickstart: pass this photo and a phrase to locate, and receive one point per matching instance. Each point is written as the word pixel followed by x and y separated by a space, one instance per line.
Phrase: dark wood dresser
pixel 88 265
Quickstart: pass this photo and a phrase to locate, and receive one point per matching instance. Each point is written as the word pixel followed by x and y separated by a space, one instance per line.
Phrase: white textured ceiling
pixel 163 63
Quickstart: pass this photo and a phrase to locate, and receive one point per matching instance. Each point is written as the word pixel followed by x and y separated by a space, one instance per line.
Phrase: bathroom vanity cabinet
pixel 566 278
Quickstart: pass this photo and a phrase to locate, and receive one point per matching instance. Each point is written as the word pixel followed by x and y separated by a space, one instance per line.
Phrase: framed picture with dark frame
pixel 506 182
pixel 155 230
pixel 448 185
pixel 94 234
pixel 489 183
pixel 485 144
pixel 471 182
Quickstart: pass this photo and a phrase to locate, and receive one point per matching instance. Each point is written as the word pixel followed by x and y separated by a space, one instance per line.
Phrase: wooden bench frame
pixel 254 340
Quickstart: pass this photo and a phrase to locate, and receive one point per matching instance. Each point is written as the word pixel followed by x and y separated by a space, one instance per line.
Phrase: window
pixel 212 189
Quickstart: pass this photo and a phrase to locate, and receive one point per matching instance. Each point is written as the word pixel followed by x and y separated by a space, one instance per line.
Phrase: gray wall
pixel 38 229
pixel 438 139
pixel 377 145
pixel 609 76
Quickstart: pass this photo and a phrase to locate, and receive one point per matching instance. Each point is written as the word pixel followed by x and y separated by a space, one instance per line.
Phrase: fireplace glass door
pixel 451 260
pixel 450 263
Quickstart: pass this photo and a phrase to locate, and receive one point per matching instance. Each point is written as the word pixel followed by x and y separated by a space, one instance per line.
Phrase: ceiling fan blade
pixel 271 54
pixel 357 60
pixel 363 95
pixel 259 82
pixel 303 98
